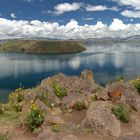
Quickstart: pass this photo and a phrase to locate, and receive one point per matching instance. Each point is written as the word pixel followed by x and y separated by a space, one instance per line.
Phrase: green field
pixel 41 47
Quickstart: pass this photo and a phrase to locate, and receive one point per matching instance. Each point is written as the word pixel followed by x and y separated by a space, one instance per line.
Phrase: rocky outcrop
pixel 99 117
pixel 74 101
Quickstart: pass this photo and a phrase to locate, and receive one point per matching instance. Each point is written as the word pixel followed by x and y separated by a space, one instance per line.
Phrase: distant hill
pixel 41 46
pixel 109 40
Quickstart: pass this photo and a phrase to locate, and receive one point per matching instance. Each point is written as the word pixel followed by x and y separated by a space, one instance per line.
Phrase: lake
pixel 107 63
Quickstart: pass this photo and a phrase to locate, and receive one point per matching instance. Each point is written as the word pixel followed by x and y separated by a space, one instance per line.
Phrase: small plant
pixel 15 99
pixel 36 131
pixel 59 90
pixel 18 107
pixel 94 98
pixel 1 109
pixel 121 113
pixel 20 97
pixel 80 105
pixel 136 83
pixel 121 78
pixel 34 117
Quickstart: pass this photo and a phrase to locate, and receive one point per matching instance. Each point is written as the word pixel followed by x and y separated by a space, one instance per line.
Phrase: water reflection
pixel 106 62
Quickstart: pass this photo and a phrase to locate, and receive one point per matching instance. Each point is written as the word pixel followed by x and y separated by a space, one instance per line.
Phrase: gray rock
pixel 131 97
pixel 102 95
pixel 99 117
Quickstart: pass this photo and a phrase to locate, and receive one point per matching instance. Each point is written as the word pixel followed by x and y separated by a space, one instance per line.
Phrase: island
pixel 42 46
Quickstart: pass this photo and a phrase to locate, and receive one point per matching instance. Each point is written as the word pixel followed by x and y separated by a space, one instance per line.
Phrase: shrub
pixel 1 109
pixel 20 97
pixel 34 117
pixel 59 90
pixel 80 105
pixel 17 107
pixel 121 113
pixel 136 83
pixel 15 99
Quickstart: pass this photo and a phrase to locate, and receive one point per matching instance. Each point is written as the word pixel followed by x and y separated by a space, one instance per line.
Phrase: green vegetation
pixel 80 105
pixel 136 83
pixel 16 98
pixel 1 109
pixel 34 117
pixel 3 136
pixel 59 90
pixel 41 47
pixel 121 112
pixel 9 114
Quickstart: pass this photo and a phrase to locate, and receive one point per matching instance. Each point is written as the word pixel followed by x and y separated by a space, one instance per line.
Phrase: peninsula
pixel 41 46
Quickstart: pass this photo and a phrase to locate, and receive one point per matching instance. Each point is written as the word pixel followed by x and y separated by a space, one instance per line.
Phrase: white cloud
pixel 72 30
pixel 13 15
pixel 66 7
pixel 88 18
pixel 133 3
pixel 131 14
pixel 91 8
pixel 117 25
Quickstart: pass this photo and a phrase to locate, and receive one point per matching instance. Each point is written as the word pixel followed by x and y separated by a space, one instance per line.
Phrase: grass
pixel 3 137
pixel 9 115
pixel 42 47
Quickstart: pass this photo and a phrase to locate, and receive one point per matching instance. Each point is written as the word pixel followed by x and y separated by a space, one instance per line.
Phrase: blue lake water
pixel 107 62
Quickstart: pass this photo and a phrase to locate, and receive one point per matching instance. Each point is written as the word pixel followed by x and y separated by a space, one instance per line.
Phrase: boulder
pixel 116 90
pixel 87 75
pixel 100 117
pixel 131 97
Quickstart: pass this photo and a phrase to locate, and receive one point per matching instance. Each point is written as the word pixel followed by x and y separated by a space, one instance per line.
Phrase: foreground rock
pixel 99 117
pixel 120 92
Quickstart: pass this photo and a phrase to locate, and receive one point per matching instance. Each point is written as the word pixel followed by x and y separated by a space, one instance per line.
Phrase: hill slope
pixel 41 47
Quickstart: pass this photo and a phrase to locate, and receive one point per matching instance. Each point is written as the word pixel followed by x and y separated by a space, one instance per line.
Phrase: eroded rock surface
pixel 99 117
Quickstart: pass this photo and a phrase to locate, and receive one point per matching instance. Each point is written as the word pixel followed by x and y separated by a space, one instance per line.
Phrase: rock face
pixel 131 97
pixel 79 90
pixel 120 92
pixel 99 117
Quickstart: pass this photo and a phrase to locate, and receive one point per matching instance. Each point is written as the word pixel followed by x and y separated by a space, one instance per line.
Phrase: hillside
pixel 41 47
pixel 73 108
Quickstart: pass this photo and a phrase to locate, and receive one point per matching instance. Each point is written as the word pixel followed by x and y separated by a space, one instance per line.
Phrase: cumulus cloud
pixel 91 8
pixel 66 7
pixel 133 3
pixel 13 15
pixel 131 14
pixel 72 30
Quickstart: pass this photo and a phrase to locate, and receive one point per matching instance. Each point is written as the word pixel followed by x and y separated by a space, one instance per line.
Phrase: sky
pixel 69 19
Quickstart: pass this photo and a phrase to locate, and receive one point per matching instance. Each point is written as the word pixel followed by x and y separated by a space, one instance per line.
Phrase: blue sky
pixel 41 10
pixel 90 12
